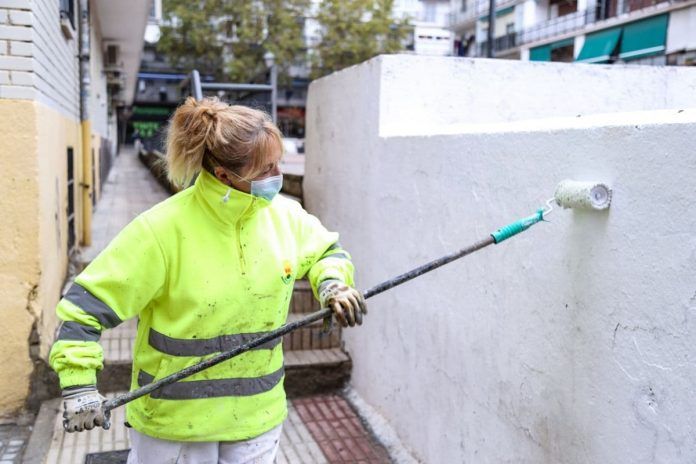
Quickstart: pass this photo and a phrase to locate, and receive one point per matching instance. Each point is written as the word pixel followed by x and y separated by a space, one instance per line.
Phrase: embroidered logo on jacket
pixel 287 272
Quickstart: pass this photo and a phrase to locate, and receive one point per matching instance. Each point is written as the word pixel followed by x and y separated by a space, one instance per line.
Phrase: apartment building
pixel 654 32
pixel 430 19
pixel 67 71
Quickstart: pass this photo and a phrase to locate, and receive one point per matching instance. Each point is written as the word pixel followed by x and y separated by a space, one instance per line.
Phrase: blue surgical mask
pixel 267 188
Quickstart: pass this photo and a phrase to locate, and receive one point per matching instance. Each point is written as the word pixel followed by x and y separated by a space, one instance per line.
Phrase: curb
pixel 42 433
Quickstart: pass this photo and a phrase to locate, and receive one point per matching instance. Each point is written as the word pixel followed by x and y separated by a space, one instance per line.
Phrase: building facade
pixel 59 130
pixel 430 19
pixel 653 32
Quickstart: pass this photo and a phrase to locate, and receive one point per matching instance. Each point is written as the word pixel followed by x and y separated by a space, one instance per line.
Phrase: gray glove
pixel 82 409
pixel 347 304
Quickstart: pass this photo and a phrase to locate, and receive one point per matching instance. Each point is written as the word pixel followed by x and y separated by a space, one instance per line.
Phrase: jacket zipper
pixel 242 261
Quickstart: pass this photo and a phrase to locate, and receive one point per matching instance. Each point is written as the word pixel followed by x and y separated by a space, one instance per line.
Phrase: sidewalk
pixel 320 429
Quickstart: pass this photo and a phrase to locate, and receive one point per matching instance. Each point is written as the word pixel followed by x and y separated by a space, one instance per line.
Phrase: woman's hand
pixel 347 304
pixel 82 409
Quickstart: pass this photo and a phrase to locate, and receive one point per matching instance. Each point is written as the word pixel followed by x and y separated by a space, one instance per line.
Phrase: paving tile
pixel 337 430
pixel 13 439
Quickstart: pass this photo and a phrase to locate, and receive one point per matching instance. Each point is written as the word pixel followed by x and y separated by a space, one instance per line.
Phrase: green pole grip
pixel 516 227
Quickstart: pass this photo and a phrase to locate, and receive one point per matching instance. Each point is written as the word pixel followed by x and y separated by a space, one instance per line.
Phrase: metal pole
pixel 316 316
pixel 196 89
pixel 490 52
pixel 274 93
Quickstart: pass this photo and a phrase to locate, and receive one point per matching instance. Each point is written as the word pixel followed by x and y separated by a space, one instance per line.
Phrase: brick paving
pixel 14 436
pixel 338 431
pixel 320 429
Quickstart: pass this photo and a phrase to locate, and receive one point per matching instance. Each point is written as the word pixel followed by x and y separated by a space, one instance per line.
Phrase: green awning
pixel 644 38
pixel 599 46
pixel 542 53
pixel 563 43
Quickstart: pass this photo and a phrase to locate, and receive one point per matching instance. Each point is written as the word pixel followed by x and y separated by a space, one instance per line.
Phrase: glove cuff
pixel 78 390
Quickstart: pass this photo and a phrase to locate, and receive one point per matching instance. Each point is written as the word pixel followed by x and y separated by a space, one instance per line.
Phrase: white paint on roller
pixel 583 195
pixel 574 341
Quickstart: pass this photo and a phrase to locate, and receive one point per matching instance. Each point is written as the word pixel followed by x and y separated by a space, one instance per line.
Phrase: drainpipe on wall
pixel 86 127
pixel 490 53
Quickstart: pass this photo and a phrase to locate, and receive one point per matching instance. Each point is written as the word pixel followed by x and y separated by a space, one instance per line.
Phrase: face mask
pixel 267 188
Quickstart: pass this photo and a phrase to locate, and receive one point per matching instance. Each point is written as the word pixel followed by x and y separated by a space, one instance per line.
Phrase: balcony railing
pixel 475 9
pixel 561 25
pixel 500 43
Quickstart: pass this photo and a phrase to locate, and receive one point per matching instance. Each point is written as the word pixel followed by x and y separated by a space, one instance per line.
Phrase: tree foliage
pixel 355 31
pixel 228 38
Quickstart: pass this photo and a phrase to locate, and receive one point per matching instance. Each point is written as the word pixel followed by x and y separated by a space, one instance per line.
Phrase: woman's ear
pixel 222 175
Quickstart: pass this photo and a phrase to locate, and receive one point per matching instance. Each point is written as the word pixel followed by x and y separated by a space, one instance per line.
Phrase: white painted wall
pixel 39 61
pixel 432 40
pixel 571 343
pixel 56 67
pixel 537 90
pixel 680 34
pixel 99 98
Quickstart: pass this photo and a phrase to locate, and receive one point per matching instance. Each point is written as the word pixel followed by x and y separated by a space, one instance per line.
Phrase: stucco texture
pixel 571 343
pixel 33 257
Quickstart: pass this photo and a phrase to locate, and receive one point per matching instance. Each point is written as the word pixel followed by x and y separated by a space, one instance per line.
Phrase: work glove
pixel 347 304
pixel 82 409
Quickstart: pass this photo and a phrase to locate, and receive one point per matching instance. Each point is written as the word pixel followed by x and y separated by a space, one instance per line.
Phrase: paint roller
pixel 591 196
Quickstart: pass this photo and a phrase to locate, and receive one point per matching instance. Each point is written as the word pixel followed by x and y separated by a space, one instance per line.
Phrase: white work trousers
pixel 258 450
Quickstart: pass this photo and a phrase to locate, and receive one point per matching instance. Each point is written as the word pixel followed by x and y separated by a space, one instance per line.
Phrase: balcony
pixel 557 26
pixel 503 43
pixel 475 9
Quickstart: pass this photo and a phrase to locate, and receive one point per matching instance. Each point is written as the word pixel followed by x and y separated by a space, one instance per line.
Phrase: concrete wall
pixel 512 92
pixel 569 343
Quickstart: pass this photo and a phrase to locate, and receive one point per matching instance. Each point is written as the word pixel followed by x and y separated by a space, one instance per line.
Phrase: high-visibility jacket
pixel 202 275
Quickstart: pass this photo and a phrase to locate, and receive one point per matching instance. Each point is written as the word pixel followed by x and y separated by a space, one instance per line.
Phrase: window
pixel 67 11
pixel 510 28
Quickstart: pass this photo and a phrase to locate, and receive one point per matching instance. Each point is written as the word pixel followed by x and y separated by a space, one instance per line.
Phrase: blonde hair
pixel 208 133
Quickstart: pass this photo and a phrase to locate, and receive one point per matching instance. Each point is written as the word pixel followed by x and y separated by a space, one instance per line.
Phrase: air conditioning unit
pixel 112 57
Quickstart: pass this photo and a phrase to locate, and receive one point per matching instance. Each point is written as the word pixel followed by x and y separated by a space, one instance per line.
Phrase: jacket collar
pixel 225 204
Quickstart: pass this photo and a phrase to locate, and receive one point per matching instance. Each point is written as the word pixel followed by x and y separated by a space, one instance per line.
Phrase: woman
pixel 204 271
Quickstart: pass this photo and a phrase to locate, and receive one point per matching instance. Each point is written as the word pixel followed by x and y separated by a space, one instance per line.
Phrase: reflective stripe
pixel 70 330
pixel 334 246
pixel 338 254
pixel 92 305
pixel 204 346
pixel 198 389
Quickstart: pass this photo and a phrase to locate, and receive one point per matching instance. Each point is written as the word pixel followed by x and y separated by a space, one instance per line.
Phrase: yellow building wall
pixel 33 234
pixel 55 133
pixel 19 250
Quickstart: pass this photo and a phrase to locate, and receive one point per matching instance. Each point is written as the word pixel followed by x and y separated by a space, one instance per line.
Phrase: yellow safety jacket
pixel 202 275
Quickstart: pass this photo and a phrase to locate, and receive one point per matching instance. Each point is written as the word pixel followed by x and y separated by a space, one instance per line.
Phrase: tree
pixel 228 38
pixel 355 31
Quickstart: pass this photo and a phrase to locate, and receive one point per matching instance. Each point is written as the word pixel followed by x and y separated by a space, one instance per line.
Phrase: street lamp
pixel 269 58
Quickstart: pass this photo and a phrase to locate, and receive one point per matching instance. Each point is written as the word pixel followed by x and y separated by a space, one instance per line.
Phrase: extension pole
pixel 496 237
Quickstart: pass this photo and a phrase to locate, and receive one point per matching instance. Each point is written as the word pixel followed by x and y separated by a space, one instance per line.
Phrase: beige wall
pixel 33 234
pixel 19 251
pixel 55 133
